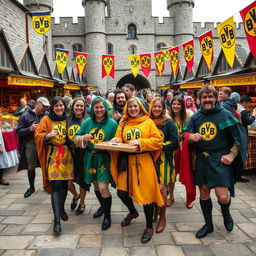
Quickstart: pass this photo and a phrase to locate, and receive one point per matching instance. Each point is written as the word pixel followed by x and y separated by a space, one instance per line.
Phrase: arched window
pixel 76 48
pixel 110 48
pixel 59 46
pixel 132 31
pixel 132 49
pixel 159 46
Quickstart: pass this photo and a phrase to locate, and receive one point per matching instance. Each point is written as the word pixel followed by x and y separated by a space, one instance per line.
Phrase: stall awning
pixel 71 87
pixel 163 87
pixel 192 85
pixel 234 81
pixel 26 81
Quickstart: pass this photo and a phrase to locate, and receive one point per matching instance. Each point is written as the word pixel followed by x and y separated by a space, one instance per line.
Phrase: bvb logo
pixel 250 22
pixel 145 61
pixel 108 62
pixel 159 59
pixel 208 130
pixel 167 55
pixel 61 58
pixel 41 24
pixel 227 35
pixel 61 129
pixel 81 60
pixel 174 57
pixel 135 62
pixel 72 131
pixel 133 134
pixel 189 52
pixel 206 45
pixel 98 136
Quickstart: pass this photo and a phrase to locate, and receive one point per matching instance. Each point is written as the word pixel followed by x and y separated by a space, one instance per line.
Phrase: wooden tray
pixel 116 146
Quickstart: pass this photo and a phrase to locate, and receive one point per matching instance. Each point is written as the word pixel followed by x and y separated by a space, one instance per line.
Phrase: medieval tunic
pixel 140 179
pixel 97 162
pixel 165 162
pixel 54 155
pixel 219 130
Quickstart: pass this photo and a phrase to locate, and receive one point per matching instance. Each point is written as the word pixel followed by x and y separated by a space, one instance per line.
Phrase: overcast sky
pixel 205 10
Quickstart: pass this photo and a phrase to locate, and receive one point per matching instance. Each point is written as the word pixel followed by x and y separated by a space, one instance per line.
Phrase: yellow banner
pixel 135 64
pixel 71 87
pixel 227 36
pixel 234 81
pixel 24 81
pixel 41 22
pixel 192 85
pixel 61 60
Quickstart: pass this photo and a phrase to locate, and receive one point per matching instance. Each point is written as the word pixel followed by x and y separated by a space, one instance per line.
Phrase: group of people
pixel 160 129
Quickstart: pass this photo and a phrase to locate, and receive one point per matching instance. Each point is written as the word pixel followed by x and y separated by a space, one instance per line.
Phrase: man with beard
pixel 28 123
pixel 218 138
pixel 119 101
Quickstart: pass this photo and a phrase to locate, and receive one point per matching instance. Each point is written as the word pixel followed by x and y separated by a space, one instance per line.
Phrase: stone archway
pixel 139 82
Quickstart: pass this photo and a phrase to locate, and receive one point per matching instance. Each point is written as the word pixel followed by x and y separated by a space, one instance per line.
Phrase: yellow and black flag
pixel 41 22
pixel 61 59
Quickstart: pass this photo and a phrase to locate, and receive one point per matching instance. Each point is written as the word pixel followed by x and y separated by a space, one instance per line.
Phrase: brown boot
pixel 162 222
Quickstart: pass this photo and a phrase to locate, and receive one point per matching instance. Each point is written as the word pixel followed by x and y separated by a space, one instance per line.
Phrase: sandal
pixel 190 206
pixel 80 209
pixel 170 201
pixel 74 203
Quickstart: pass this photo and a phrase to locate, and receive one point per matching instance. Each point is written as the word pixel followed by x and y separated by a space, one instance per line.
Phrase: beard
pixel 121 104
pixel 210 105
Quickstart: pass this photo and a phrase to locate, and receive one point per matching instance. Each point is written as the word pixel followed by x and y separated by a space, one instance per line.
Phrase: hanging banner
pixel 206 46
pixel 108 65
pixel 41 22
pixel 135 64
pixel 159 62
pixel 174 59
pixel 167 55
pixel 145 61
pixel 81 61
pixel 61 59
pixel 188 48
pixel 227 36
pixel 248 15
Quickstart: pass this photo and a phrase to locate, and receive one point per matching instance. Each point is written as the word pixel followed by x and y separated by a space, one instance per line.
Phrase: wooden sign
pixel 116 146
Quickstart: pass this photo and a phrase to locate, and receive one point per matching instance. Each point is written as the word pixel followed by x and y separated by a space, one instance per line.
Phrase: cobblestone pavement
pixel 26 226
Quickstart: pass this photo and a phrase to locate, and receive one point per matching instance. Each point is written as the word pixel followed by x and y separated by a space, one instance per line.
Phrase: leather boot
pixel 56 204
pixel 31 179
pixel 162 221
pixel 206 206
pixel 106 223
pixel 228 221
pixel 63 214
pixel 100 211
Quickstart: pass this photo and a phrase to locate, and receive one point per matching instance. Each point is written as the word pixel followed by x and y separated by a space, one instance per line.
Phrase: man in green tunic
pixel 218 138
pixel 97 128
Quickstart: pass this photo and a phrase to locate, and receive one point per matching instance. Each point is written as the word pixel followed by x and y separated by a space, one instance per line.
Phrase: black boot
pixel 63 214
pixel 31 179
pixel 100 211
pixel 228 221
pixel 206 206
pixel 106 223
pixel 56 205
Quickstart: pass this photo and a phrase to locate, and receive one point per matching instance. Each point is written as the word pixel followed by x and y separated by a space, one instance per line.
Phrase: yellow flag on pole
pixel 227 36
pixel 61 59
pixel 135 64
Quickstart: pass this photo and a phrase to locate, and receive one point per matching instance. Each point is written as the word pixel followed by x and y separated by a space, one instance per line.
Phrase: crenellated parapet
pixel 39 5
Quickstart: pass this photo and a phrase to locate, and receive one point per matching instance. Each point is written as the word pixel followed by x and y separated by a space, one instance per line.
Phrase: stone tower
pixel 42 6
pixel 95 40
pixel 182 11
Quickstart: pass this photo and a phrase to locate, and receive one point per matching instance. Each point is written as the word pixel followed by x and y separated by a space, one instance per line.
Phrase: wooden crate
pixel 116 146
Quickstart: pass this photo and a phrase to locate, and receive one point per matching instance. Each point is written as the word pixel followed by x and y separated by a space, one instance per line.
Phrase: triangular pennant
pixel 108 65
pixel 145 61
pixel 135 64
pixel 167 56
pixel 174 59
pixel 159 62
pixel 248 15
pixel 206 46
pixel 81 61
pixel 61 59
pixel 189 50
pixel 227 36
pixel 41 22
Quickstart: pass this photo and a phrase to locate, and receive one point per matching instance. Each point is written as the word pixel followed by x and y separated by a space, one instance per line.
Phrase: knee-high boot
pixel 63 214
pixel 56 205
pixel 206 206
pixel 107 202
pixel 162 221
pixel 100 211
pixel 228 221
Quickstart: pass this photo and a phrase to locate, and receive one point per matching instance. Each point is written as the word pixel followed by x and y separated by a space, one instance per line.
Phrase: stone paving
pixel 26 226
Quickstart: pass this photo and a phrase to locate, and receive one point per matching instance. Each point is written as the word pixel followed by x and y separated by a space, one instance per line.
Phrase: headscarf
pixel 106 109
pixel 193 107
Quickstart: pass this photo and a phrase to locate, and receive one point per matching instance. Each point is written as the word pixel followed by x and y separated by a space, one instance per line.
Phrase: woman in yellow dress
pixel 140 179
pixel 55 158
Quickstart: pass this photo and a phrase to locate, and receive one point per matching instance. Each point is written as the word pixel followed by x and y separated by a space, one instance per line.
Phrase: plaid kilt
pixel 251 160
